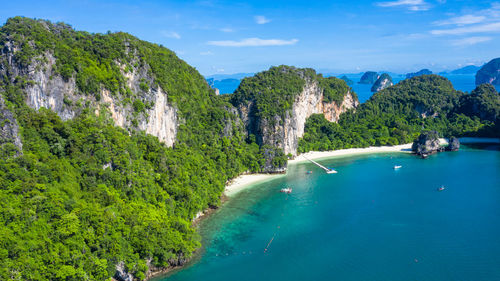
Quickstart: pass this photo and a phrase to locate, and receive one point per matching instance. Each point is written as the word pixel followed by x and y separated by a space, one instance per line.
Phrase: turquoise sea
pixel 368 222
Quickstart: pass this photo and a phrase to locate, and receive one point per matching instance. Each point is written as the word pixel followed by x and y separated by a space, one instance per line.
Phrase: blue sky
pixel 331 36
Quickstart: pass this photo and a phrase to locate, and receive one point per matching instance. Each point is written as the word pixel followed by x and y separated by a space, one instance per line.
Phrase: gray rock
pixel 453 144
pixel 384 81
pixel 9 129
pixel 426 144
pixel 121 273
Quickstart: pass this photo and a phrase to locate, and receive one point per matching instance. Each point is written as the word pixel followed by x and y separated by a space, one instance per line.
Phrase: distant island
pixel 418 73
pixel 489 73
pixel 369 77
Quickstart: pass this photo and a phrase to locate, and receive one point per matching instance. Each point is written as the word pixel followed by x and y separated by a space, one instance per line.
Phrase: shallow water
pixel 368 222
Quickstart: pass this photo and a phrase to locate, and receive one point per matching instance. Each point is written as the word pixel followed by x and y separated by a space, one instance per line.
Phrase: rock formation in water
pixel 426 144
pixel 368 77
pixel 489 73
pixel 277 117
pixel 384 81
pixel 418 73
pixel 453 144
pixel 347 80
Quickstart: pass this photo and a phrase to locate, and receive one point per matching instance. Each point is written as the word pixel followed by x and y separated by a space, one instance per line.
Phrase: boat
pixel 397 167
pixel 441 188
pixel 331 171
pixel 309 172
pixel 287 190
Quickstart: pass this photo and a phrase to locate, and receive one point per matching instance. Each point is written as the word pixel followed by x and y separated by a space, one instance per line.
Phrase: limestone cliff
pixel 9 130
pixel 145 107
pixel 285 127
pixel 384 81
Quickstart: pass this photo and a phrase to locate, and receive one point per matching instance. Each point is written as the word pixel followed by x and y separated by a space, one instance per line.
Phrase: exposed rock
pixel 9 129
pixel 418 73
pixel 489 73
pixel 368 77
pixel 384 81
pixel 50 90
pixel 453 144
pixel 285 132
pixel 121 273
pixel 426 144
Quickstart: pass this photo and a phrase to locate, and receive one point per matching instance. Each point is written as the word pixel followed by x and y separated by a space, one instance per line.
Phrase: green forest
pixel 398 114
pixel 85 195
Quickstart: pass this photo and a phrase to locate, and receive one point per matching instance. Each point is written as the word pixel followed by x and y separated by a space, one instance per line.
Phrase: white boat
pixel 331 171
pixel 397 167
pixel 286 190
pixel 441 188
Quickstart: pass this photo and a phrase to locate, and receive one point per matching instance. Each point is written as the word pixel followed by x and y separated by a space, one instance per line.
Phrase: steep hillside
pixel 397 115
pixel 275 104
pixel 82 199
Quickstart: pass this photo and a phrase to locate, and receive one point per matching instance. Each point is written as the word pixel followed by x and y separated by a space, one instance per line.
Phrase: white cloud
pixel 461 20
pixel 171 34
pixel 226 29
pixel 261 19
pixel 207 53
pixel 253 42
pixel 412 5
pixel 482 28
pixel 470 41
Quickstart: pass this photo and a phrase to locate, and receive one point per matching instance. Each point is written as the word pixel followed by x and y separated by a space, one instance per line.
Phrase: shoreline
pixel 244 181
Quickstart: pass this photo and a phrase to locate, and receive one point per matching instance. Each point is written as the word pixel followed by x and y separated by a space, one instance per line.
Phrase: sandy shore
pixel 240 183
pixel 244 181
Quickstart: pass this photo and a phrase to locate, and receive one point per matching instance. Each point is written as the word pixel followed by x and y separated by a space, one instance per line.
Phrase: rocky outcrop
pixel 426 144
pixel 9 130
pixel 285 131
pixel 48 89
pixel 368 77
pixel 418 73
pixel 489 73
pixel 384 81
pixel 453 144
pixel 121 273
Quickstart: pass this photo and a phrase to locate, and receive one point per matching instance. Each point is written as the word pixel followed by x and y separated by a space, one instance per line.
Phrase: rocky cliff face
pixel 47 89
pixel 9 130
pixel 426 144
pixel 284 132
pixel 384 81
pixel 489 73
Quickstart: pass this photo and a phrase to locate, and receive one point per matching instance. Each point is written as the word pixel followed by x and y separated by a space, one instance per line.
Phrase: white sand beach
pixel 244 181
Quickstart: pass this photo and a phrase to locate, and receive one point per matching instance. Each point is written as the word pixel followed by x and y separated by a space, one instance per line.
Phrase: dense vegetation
pixel 399 113
pixel 86 195
pixel 274 91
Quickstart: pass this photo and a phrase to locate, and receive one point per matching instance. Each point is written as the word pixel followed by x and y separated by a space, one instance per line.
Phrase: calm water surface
pixel 368 222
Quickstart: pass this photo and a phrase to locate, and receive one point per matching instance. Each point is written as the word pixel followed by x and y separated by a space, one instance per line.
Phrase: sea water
pixel 368 222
